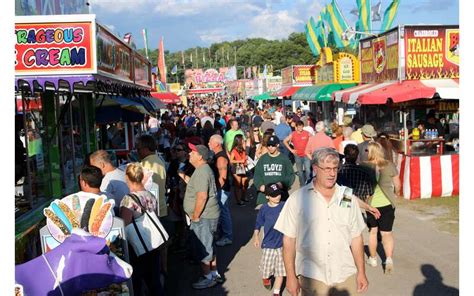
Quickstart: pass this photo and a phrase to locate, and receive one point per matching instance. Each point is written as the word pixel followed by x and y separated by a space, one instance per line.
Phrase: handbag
pixel 239 169
pixel 146 233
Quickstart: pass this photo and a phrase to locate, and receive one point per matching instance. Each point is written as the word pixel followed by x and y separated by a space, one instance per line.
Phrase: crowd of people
pixel 223 150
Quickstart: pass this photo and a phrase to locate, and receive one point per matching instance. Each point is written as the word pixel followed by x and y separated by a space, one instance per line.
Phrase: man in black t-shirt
pixel 221 167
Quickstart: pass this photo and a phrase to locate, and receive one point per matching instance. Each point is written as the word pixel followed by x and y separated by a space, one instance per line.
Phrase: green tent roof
pixel 319 92
pixel 264 96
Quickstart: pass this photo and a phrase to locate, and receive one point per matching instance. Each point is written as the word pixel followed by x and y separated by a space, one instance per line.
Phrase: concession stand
pixel 334 73
pixel 79 88
pixel 411 76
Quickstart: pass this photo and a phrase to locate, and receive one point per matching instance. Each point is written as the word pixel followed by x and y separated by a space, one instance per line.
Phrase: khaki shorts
pixel 312 287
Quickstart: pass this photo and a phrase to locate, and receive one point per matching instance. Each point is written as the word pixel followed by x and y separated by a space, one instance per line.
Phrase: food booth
pixel 334 73
pixel 79 88
pixel 411 73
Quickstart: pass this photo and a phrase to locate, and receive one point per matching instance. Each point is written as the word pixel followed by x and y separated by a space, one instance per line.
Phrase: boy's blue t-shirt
pixel 267 217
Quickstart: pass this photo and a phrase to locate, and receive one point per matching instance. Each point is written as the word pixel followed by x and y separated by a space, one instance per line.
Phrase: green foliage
pixel 243 53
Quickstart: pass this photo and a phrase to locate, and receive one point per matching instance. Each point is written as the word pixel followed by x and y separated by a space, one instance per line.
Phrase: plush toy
pixel 82 262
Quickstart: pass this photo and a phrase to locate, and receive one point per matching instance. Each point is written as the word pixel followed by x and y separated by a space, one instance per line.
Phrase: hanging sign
pixel 50 47
pixel 379 58
pixel 431 52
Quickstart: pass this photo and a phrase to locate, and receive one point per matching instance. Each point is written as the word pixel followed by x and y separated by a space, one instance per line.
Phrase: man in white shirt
pixel 322 225
pixel 113 182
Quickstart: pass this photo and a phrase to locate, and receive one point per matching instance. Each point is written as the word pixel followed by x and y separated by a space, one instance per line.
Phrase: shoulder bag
pixel 146 233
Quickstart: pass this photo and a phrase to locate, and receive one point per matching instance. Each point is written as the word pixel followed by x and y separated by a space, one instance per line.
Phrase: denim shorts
pixel 202 237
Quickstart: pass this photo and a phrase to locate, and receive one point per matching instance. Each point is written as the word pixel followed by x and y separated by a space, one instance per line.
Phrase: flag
pixel 231 73
pixel 364 15
pixel 203 57
pixel 389 15
pixel 376 12
pixel 270 70
pixel 174 70
pixel 265 71
pixel 249 72
pixel 145 40
pixel 227 55
pixel 127 38
pixel 197 58
pixel 182 57
pixel 161 61
pixel 337 23
pixel 254 70
pixel 312 39
pixel 318 31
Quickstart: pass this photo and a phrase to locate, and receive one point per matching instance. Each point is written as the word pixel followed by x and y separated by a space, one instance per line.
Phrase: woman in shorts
pixel 386 190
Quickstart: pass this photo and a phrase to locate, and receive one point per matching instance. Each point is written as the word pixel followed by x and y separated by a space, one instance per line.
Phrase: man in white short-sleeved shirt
pixel 323 247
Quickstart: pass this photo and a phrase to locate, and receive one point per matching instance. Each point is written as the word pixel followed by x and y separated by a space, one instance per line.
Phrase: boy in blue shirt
pixel 272 243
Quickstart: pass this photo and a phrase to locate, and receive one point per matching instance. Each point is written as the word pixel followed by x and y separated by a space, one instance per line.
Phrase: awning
pixel 353 94
pixel 319 92
pixel 204 90
pixel 131 104
pixel 166 97
pixel 286 91
pixel 152 104
pixel 408 90
pixel 263 97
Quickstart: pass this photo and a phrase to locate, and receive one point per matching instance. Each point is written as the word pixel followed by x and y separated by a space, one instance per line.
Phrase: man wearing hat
pixel 369 134
pixel 201 207
pixel 273 167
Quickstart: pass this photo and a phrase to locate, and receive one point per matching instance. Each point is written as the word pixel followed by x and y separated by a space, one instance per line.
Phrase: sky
pixel 190 23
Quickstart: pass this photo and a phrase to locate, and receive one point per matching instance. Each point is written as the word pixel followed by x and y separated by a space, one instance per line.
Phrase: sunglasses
pixel 256 130
pixel 271 145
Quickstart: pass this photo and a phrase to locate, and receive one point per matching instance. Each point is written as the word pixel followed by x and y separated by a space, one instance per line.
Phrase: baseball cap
pixel 369 131
pixel 273 140
pixel 272 190
pixel 201 149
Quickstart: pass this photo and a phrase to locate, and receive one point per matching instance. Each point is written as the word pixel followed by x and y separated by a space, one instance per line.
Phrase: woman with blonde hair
pixel 346 134
pixel 385 193
pixel 147 266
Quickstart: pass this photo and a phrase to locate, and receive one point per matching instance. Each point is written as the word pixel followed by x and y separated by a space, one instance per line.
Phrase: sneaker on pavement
pixel 241 204
pixel 223 242
pixel 372 261
pixel 218 278
pixel 388 265
pixel 267 283
pixel 204 283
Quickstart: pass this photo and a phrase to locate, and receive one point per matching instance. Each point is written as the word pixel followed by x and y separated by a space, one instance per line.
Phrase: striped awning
pixel 319 92
pixel 166 97
pixel 407 90
pixel 287 91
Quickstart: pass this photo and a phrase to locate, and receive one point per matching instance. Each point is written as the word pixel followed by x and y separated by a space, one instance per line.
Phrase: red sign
pixel 431 52
pixel 379 58
pixel 54 48
pixel 305 75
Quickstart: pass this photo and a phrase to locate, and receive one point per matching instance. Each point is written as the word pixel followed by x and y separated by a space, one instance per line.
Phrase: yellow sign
pixel 339 68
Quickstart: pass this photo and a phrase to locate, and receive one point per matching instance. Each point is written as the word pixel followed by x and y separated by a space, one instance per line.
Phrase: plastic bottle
pixel 436 133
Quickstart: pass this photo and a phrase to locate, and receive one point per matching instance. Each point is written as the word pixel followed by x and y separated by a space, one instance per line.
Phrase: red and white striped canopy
pixel 379 93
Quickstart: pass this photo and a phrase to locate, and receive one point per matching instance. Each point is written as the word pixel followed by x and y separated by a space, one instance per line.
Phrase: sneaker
pixel 218 278
pixel 204 283
pixel 372 261
pixel 267 283
pixel 388 265
pixel 223 242
pixel 241 203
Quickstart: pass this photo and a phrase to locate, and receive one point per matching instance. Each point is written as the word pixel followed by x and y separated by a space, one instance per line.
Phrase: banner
pixel 113 57
pixel 142 70
pixel 379 58
pixel 210 78
pixel 54 48
pixel 287 76
pixel 49 7
pixel 431 52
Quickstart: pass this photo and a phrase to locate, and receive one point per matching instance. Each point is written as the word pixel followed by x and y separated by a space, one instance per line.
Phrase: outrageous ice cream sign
pixel 54 48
